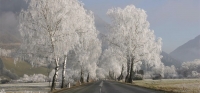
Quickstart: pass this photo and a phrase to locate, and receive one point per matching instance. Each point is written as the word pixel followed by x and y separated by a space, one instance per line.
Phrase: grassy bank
pixel 22 67
pixel 172 85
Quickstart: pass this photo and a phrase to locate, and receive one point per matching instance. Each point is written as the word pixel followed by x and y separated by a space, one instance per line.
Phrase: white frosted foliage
pixel 5 52
pixel 51 28
pixel 130 34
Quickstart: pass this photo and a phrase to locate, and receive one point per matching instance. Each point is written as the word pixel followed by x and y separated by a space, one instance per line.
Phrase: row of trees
pixel 63 33
pixel 190 69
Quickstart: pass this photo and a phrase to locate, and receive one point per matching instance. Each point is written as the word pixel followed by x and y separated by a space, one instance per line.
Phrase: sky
pixel 175 21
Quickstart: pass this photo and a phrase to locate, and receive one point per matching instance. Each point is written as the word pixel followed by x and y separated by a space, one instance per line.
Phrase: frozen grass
pixel 25 88
pixel 172 85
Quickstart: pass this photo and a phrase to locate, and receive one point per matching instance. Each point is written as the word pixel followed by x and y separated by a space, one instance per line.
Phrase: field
pixel 169 85
pixel 25 88
pixel 172 85
pixel 22 67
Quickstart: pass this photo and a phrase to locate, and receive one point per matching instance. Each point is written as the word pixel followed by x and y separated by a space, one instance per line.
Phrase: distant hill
pixel 188 51
pixel 169 60
pixel 9 70
pixel 9 39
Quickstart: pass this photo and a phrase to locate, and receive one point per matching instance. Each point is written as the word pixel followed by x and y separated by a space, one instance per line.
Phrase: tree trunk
pixel 49 79
pixel 121 75
pixel 88 77
pixel 131 72
pixel 82 79
pixel 113 75
pixel 128 70
pixel 55 75
pixel 127 77
pixel 63 72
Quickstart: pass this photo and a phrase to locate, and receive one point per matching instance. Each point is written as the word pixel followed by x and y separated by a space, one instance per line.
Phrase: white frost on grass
pixel 25 88
pixel 2 91
pixel 173 85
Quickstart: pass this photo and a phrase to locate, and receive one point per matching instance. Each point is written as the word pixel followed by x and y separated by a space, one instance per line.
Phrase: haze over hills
pixel 100 24
pixel 102 27
pixel 188 51
pixel 169 60
pixel 9 34
pixel 9 39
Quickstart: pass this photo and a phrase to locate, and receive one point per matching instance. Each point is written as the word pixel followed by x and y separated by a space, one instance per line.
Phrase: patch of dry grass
pixel 22 67
pixel 172 85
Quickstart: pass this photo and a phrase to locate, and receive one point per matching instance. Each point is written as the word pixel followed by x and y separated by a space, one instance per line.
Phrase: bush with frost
pixel 33 78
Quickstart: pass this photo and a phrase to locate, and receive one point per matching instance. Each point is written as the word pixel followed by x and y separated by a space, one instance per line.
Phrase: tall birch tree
pixel 49 29
pixel 88 49
pixel 130 33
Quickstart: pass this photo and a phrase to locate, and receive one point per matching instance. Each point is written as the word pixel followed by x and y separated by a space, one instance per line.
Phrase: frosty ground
pixel 25 88
pixel 172 85
pixel 169 85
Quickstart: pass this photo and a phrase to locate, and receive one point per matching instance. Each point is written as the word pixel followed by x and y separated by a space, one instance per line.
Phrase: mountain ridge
pixel 188 51
pixel 168 60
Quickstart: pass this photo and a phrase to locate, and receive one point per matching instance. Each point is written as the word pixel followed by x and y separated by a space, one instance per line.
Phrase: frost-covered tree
pixel 88 49
pixel 130 34
pixel 33 78
pixel 170 72
pixel 190 69
pixel 195 74
pixel 71 76
pixel 49 29
pixel 111 61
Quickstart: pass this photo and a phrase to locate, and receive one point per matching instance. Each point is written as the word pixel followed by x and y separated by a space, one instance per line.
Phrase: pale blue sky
pixel 175 21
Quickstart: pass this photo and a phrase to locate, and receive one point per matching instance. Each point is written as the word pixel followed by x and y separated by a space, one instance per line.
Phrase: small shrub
pixel 138 77
pixel 157 77
pixel 33 78
pixel 4 81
